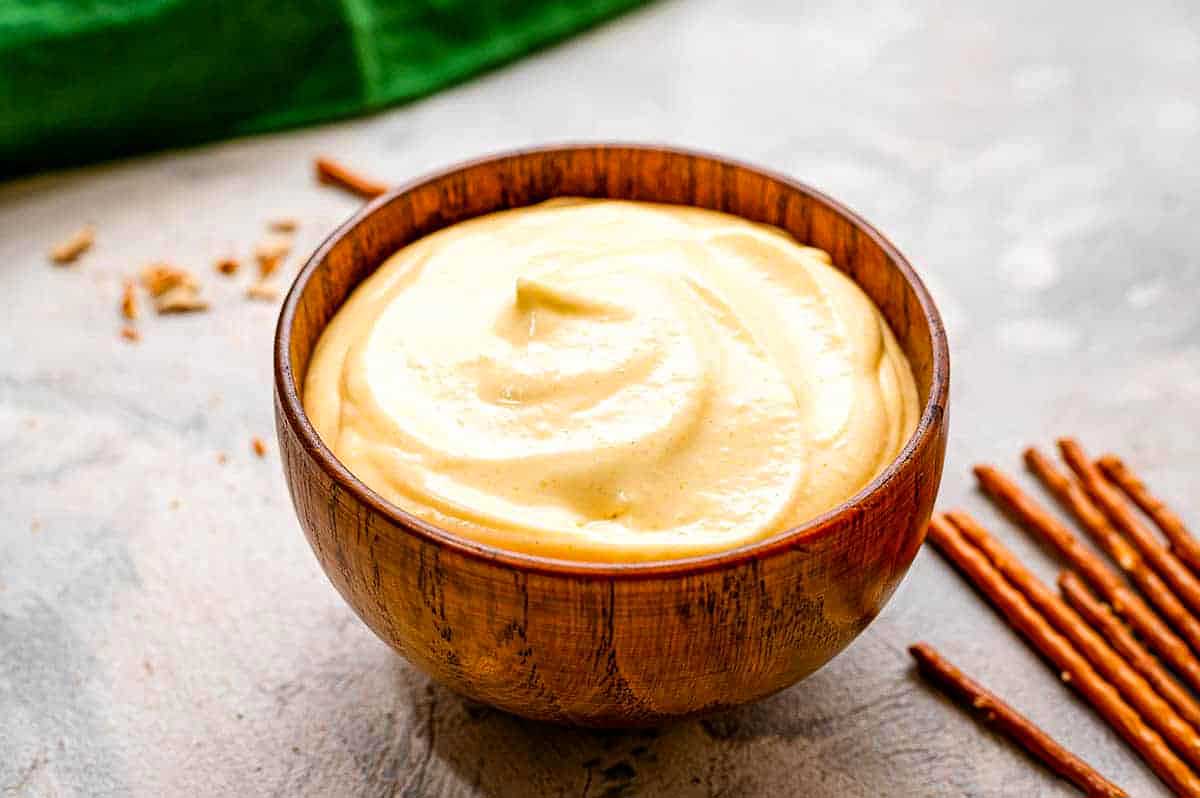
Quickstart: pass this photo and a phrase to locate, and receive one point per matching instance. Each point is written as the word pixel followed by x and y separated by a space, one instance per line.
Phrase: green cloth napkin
pixel 82 80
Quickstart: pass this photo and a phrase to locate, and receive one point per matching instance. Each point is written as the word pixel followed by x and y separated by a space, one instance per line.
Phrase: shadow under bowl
pixel 611 644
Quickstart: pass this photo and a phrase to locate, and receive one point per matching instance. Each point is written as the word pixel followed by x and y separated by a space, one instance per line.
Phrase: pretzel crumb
pixel 259 447
pixel 228 266
pixel 284 224
pixel 129 301
pixel 70 250
pixel 270 252
pixel 131 334
pixel 222 458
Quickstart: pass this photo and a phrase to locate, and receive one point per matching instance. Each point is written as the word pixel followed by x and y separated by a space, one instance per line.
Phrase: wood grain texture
pixel 596 644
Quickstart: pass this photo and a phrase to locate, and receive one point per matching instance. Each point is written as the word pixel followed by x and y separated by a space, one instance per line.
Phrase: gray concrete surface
pixel 164 629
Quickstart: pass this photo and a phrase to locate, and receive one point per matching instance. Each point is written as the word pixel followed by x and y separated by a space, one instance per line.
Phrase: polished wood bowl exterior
pixel 611 644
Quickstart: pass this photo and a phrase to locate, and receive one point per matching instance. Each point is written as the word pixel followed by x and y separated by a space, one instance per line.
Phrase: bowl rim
pixel 288 393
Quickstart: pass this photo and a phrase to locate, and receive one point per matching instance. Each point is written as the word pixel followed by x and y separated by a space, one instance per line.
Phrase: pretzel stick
pixel 1186 547
pixel 1114 543
pixel 332 172
pixel 1102 620
pixel 1012 724
pixel 1099 576
pixel 1076 499
pixel 1110 500
pixel 1035 518
pixel 1135 689
pixel 1058 650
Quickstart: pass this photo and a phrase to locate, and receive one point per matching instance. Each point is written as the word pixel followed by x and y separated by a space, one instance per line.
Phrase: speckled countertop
pixel 164 629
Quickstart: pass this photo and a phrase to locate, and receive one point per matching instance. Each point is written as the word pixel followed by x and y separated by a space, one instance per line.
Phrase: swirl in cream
pixel 615 381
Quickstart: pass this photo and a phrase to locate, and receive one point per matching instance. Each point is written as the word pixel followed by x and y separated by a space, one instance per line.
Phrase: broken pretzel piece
pixel 69 250
pixel 263 290
pixel 159 278
pixel 180 299
pixel 129 301
pixel 331 172
pixel 270 252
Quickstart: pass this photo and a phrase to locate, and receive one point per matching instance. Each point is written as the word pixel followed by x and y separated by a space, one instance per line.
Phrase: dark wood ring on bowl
pixel 596 643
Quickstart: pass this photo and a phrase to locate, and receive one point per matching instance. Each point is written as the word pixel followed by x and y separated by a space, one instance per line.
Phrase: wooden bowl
pixel 611 644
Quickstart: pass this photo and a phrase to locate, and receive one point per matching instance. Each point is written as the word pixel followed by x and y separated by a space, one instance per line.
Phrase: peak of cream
pixel 611 381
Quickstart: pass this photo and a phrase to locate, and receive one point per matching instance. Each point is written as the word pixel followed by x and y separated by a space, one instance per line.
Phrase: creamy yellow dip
pixel 611 381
